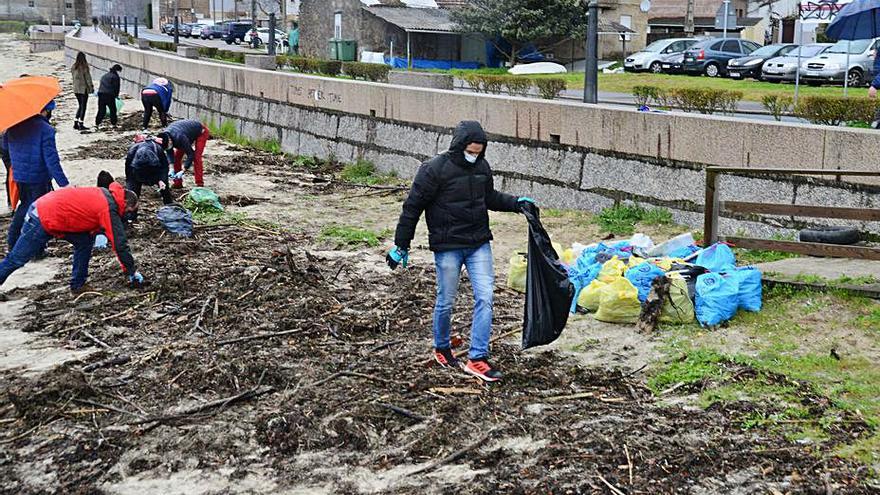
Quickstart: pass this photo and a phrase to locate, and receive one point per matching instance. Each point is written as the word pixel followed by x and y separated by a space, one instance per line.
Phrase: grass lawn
pixel 623 83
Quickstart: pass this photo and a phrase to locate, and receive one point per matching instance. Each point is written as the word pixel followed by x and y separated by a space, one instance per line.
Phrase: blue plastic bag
pixel 683 252
pixel 717 258
pixel 642 276
pixel 176 219
pixel 750 290
pixel 717 298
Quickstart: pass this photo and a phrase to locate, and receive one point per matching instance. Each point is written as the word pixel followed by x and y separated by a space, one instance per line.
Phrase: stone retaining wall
pixel 538 148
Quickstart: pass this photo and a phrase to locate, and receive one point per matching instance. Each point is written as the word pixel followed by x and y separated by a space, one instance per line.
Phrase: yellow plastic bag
pixel 678 307
pixel 589 296
pixel 612 270
pixel 568 256
pixel 516 275
pixel 619 302
pixel 665 264
pixel 634 261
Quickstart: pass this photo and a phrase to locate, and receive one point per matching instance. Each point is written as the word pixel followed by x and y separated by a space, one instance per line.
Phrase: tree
pixel 512 24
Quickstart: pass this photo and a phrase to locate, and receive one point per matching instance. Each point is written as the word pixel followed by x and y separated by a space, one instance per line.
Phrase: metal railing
pixel 715 207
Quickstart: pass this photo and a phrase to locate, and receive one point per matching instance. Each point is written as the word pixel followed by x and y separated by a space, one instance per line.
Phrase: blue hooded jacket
pixel 164 91
pixel 32 151
pixel 876 82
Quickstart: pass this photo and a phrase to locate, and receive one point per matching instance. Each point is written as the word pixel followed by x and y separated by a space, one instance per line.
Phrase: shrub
pixel 13 26
pixel 208 52
pixel 329 67
pixel 550 88
pixel 834 110
pixel 517 86
pixel 777 105
pixel 166 46
pixel 705 101
pixel 474 82
pixel 645 95
pixel 368 72
pixel 303 64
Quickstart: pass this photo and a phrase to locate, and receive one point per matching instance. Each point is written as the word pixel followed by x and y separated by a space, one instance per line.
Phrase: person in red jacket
pixel 77 215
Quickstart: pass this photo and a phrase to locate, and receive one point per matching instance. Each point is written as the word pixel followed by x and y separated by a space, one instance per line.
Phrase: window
pixel 337 25
pixel 716 47
pixel 626 21
pixel 30 3
pixel 730 46
pixel 750 46
pixel 68 5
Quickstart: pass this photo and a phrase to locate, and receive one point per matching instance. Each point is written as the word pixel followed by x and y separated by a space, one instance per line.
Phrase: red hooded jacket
pixel 92 210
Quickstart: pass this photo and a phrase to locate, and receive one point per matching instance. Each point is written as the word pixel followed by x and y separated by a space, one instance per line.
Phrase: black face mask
pixel 130 217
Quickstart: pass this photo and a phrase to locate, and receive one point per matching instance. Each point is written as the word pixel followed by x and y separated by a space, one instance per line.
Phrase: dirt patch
pixel 344 394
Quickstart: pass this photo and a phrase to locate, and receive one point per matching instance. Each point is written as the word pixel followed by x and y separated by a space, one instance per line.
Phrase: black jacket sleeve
pixel 421 195
pixel 115 85
pixel 499 201
pixel 120 242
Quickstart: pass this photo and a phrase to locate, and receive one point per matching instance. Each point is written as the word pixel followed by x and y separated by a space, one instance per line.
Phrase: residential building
pixel 44 11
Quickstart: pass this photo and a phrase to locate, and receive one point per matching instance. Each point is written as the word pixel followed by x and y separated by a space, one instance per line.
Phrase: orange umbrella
pixel 25 97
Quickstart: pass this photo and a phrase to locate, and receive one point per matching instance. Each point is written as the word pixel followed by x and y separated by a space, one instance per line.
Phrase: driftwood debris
pixel 650 317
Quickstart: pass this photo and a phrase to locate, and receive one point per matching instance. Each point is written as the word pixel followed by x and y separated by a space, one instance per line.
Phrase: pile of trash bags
pixel 612 280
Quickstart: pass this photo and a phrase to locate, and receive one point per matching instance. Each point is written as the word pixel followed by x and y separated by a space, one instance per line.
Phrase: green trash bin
pixel 347 50
pixel 333 45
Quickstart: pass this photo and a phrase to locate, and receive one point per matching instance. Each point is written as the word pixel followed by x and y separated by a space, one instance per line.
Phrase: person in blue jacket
pixel 35 162
pixel 157 95
pixel 875 85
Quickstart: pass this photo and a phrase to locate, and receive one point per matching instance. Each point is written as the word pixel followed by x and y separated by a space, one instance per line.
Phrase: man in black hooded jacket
pixel 456 191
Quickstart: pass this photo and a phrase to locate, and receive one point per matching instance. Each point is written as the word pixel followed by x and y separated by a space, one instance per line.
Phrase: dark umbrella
pixel 858 20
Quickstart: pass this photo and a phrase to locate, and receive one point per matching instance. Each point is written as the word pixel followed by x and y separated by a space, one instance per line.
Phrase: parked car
pixel 280 37
pixel 235 32
pixel 168 29
pixel 784 68
pixel 673 64
pixel 195 29
pixel 710 56
pixel 185 30
pixel 830 66
pixel 751 64
pixel 650 58
pixel 211 32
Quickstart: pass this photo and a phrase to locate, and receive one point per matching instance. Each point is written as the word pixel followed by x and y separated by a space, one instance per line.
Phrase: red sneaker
pixel 446 359
pixel 481 369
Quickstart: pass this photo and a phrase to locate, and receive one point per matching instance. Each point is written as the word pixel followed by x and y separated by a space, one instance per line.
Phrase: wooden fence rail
pixel 715 206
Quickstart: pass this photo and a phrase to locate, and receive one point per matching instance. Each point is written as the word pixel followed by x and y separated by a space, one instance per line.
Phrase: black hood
pixel 467 132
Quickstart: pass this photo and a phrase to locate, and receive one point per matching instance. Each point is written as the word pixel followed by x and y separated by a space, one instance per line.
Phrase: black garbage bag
pixel 548 290
pixel 176 219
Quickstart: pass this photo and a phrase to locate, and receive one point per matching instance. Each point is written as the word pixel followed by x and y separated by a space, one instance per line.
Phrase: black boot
pixel 76 125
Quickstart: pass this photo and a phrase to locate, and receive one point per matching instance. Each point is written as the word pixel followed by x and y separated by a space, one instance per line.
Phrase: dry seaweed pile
pixel 250 354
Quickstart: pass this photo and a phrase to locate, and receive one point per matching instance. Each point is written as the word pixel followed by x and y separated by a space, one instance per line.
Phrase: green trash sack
pixel 678 307
pixel 516 276
pixel 202 197
pixel 619 302
pixel 119 105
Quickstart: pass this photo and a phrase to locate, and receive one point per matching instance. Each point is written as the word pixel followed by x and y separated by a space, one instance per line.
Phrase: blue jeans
pixel 28 193
pixel 481 270
pixel 33 241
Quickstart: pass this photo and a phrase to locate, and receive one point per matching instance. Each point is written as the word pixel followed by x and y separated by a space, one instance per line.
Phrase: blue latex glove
pixel 136 279
pixel 397 256
pixel 176 175
pixel 100 241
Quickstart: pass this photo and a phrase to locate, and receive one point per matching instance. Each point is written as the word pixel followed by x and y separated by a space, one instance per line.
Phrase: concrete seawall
pixel 566 155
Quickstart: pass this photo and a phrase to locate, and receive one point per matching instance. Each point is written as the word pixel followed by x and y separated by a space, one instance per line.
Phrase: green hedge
pixel 163 45
pixel 548 88
pixel 701 100
pixel 367 72
pixel 835 110
pixel 777 105
pixel 13 26
pixel 310 65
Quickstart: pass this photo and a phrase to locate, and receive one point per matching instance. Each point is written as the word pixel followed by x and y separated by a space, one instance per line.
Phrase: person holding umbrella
pixel 29 140
pixel 859 20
